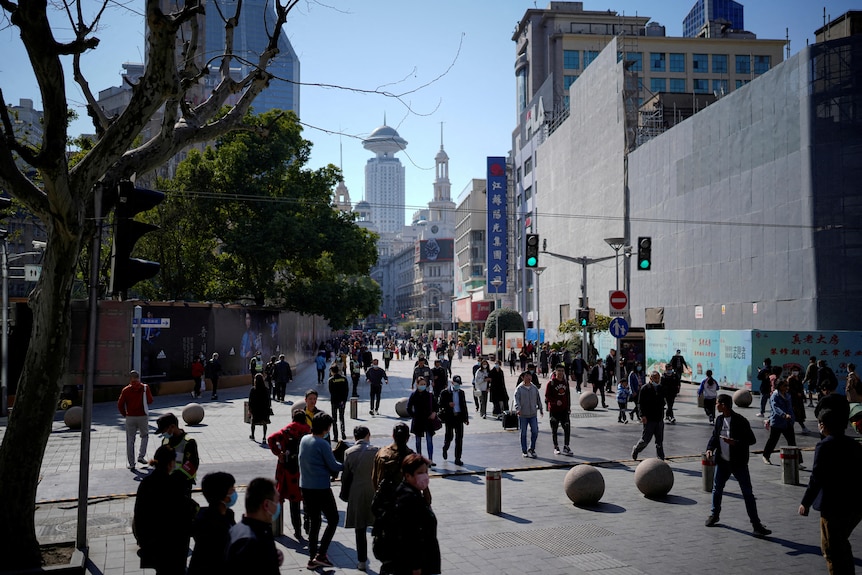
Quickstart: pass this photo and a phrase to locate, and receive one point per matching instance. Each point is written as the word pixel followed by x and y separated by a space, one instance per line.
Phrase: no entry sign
pixel 618 303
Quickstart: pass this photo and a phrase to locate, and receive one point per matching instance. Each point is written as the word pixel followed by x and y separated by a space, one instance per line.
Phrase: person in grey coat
pixel 528 403
pixel 356 478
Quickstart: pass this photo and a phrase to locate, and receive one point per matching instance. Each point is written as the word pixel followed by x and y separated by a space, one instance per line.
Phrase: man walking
pixel 837 458
pixel 598 378
pixel 731 438
pixel 527 405
pixel 558 398
pixel 338 390
pixel 251 548
pixel 678 363
pixel 133 405
pixel 213 373
pixel 188 459
pixel 375 376
pixel 670 385
pixel 453 412
pixel 651 405
pixel 281 375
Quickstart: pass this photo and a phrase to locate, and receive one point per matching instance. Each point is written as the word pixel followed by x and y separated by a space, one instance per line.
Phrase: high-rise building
pixel 384 179
pixel 726 13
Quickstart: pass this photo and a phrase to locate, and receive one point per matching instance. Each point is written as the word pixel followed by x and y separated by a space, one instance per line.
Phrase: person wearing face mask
pixel 251 548
pixel 162 501
pixel 317 467
pixel 497 391
pixel 418 549
pixel 211 528
pixel 481 380
pixel 453 412
pixel 422 408
pixel 797 398
pixel 670 384
pixel 185 447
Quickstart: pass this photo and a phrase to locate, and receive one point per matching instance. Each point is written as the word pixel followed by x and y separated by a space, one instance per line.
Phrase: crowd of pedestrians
pixel 386 488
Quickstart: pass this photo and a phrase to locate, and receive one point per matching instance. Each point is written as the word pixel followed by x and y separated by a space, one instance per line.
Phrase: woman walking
pixel 259 406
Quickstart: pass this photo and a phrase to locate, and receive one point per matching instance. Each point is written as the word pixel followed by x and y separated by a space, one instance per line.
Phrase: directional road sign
pixel 619 327
pixel 619 303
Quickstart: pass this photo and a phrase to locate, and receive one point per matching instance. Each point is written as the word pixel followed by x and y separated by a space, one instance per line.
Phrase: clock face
pixel 434 229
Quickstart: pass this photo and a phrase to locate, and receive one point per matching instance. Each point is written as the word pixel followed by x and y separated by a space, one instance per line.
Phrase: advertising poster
pixel 703 354
pixel 794 348
pixel 735 361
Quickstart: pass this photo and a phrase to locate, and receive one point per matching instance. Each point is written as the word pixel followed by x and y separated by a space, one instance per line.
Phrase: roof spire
pixel 441 135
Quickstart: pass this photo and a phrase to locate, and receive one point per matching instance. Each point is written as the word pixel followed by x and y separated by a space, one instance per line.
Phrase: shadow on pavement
pixel 602 508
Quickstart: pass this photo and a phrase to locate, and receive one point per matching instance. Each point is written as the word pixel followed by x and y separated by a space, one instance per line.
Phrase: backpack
pixel 384 533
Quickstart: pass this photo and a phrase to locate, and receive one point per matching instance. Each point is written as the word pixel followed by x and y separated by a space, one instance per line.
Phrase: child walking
pixel 623 395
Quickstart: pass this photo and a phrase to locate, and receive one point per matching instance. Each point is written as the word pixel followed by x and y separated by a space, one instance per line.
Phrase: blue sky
pixel 399 46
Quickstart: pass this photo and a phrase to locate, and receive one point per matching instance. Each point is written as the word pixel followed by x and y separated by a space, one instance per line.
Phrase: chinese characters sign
pixel 497 226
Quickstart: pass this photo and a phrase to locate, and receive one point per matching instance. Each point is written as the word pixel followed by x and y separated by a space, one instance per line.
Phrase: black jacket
pixel 740 430
pixel 651 402
pixel 837 462
pixel 447 414
pixel 418 547
pixel 420 405
pixel 251 549
pixel 211 531
pixel 339 389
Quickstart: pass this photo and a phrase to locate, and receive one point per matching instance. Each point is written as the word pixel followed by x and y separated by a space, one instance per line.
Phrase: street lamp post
pixel 616 244
pixel 538 271
pixel 497 283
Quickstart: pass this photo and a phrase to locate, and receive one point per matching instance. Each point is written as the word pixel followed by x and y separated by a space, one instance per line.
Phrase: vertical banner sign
pixel 497 226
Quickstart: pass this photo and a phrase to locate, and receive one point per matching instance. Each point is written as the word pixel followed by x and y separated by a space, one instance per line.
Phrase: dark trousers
pixel 319 501
pixel 709 407
pixel 723 471
pixel 376 390
pixel 652 429
pixel 774 434
pixel 561 420
pixel 670 399
pixel 198 384
pixel 214 381
pixel 355 378
pixel 835 542
pixel 600 389
pixel 295 516
pixel 338 413
pixel 280 387
pixel 764 401
pixel 455 429
pixel 361 544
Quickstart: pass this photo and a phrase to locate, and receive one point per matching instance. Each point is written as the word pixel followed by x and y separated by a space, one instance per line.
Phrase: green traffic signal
pixel 644 264
pixel 531 262
pixel 531 251
pixel 644 253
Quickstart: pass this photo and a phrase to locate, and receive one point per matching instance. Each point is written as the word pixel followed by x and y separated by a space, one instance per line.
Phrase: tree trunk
pixel 30 422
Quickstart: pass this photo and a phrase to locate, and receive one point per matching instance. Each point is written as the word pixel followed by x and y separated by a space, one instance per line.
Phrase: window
pixel 677 62
pixel 699 63
pixel 743 64
pixel 571 59
pixel 761 64
pixel 701 86
pixel 657 85
pixel 719 87
pixel 656 61
pixel 568 80
pixel 637 59
pixel 528 166
pixel 677 85
pixel 528 193
pixel 589 56
pixel 719 63
pixel 741 83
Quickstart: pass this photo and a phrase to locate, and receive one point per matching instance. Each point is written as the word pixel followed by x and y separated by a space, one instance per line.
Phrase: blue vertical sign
pixel 497 225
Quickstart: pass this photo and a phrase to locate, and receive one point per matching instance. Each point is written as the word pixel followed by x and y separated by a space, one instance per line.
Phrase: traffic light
pixel 644 253
pixel 583 317
pixel 531 253
pixel 126 271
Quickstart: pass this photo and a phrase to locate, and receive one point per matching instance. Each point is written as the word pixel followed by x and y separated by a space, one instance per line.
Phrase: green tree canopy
pixel 247 221
pixel 510 320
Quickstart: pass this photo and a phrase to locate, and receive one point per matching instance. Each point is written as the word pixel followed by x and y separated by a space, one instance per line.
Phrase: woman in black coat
pixel 422 408
pixel 418 548
pixel 259 405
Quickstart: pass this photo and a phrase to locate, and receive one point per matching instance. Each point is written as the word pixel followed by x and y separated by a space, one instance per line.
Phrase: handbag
pixel 436 424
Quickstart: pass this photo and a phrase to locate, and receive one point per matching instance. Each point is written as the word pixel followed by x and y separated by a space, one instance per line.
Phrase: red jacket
pixel 131 402
pixel 197 369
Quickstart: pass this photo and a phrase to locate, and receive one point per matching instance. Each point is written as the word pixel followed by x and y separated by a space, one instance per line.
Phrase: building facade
pixel 555 49
pixel 731 15
pixel 384 179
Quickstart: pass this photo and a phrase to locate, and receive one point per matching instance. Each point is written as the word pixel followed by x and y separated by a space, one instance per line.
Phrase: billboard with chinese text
pixel 497 226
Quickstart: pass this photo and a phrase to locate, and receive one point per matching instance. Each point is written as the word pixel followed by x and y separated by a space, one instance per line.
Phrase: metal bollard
pixel 354 407
pixel 278 524
pixel 707 472
pixel 493 491
pixel 790 465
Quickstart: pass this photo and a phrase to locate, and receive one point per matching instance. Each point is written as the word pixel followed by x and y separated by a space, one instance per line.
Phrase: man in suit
pixel 598 378
pixel 731 438
pixel 837 461
pixel 454 413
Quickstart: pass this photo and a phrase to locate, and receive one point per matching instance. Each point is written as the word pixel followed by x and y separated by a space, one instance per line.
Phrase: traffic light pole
pixel 584 262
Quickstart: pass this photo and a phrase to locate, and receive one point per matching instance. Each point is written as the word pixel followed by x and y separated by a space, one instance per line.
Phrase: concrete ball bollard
pixel 584 485
pixel 654 477
pixel 589 401
pixel 742 398
pixel 401 408
pixel 74 417
pixel 193 413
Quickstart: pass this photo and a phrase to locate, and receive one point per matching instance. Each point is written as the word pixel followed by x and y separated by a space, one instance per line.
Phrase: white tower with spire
pixel 384 179
pixel 442 208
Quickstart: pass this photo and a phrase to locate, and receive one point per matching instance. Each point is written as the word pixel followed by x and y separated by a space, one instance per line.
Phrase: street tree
pixel 257 225
pixel 40 175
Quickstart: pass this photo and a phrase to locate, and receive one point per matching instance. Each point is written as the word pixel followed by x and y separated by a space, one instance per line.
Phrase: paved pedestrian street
pixel 539 530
